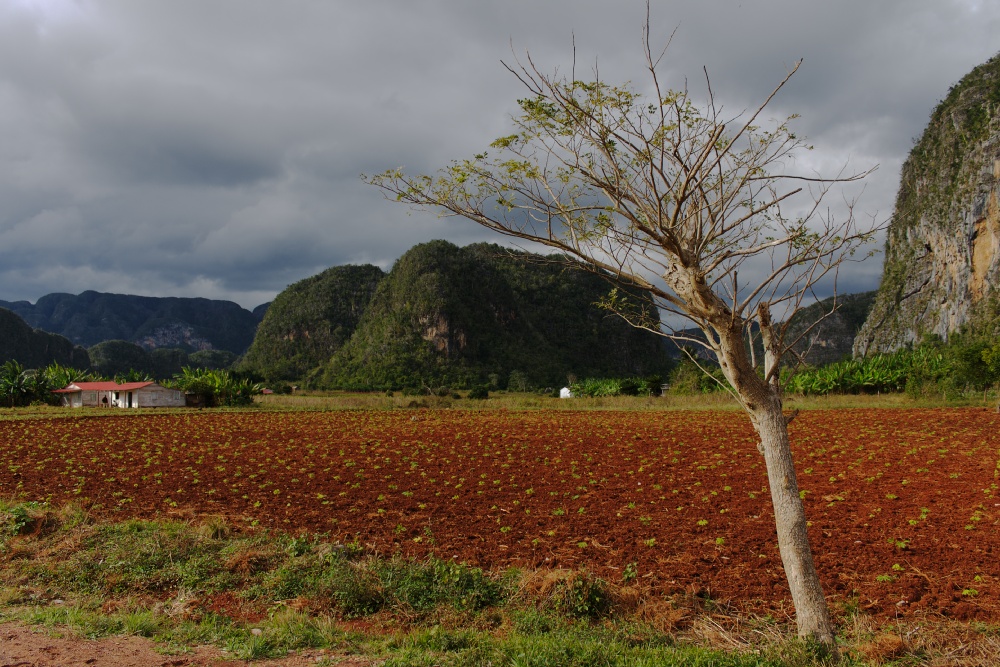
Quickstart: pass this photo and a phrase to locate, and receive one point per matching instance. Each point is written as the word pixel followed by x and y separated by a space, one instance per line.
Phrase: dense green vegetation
pixel 20 386
pixel 310 321
pixel 965 364
pixel 461 317
pixel 215 387
pixel 597 387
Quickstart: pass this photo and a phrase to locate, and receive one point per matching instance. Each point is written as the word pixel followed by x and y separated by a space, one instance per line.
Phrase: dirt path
pixel 24 646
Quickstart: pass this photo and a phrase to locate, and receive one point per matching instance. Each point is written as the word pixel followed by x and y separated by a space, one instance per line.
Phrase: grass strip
pixel 259 594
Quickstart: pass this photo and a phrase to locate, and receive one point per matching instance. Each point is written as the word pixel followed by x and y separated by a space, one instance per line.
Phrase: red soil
pixel 903 503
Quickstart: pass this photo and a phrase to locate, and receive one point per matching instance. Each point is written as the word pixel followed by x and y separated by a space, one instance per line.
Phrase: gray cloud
pixel 213 147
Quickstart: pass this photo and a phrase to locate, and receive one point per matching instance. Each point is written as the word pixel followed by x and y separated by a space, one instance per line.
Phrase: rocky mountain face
pixel 151 322
pixel 942 253
pixel 33 348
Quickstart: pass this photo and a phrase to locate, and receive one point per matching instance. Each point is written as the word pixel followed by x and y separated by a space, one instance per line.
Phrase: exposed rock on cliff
pixel 942 255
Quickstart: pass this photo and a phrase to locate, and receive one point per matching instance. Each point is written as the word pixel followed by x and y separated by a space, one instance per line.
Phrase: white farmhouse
pixel 114 395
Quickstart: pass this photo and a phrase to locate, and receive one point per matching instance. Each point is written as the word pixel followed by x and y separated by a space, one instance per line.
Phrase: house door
pixel 128 400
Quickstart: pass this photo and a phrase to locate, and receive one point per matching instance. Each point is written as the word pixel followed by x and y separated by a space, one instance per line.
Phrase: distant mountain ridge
pixel 832 339
pixel 151 322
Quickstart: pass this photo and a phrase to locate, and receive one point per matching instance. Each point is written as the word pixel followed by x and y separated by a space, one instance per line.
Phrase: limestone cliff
pixel 942 253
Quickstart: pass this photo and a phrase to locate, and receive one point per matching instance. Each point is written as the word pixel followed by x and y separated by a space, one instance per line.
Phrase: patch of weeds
pixel 426 584
pixel 533 621
pixel 582 595
pixel 852 607
pixel 584 645
pixel 141 556
pixel 208 628
pixel 89 623
pixel 141 624
pixel 798 653
pixel 442 640
pixel 18 518
pixel 250 646
pixel 358 592
pixel 299 546
pixel 289 630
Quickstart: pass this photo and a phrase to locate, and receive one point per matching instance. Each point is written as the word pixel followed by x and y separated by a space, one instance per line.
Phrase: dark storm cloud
pixel 213 147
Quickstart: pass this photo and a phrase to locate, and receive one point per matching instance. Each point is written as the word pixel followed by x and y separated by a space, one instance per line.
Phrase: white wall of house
pixel 155 396
pixel 74 400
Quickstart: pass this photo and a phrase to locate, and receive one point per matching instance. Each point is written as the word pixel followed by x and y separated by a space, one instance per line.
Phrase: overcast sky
pixel 213 147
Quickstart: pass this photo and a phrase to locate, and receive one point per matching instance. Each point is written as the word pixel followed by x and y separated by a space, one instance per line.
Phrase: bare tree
pixel 665 194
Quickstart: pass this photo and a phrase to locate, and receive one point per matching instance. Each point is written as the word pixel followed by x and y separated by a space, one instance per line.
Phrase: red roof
pixel 101 386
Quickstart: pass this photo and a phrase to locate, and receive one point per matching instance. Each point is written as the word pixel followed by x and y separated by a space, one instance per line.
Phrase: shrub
pixel 479 393
pixel 583 596
pixel 217 387
pixel 634 386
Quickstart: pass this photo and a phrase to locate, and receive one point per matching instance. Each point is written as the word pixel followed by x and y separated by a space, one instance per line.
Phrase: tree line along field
pixel 902 504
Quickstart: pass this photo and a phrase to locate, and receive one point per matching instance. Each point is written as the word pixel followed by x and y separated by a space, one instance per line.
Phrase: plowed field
pixel 903 504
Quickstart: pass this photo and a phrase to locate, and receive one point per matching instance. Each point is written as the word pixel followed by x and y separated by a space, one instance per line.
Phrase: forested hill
pixel 33 348
pixel 455 316
pixel 151 322
pixel 310 320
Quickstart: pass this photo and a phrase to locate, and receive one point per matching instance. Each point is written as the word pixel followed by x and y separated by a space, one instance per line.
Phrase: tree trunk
pixel 811 612
pixel 761 398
